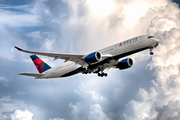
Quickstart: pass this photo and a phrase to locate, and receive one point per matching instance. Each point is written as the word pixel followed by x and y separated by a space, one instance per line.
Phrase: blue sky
pixel 16 2
pixel 177 1
pixel 148 90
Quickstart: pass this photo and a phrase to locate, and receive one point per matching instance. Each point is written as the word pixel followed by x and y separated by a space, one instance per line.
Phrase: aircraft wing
pixel 67 57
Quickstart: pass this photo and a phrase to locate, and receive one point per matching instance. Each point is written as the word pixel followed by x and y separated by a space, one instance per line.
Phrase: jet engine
pixel 93 57
pixel 125 63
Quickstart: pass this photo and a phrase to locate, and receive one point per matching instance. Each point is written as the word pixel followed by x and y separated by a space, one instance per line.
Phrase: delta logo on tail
pixel 40 65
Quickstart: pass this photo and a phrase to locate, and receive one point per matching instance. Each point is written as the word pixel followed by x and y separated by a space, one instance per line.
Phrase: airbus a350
pixel 95 62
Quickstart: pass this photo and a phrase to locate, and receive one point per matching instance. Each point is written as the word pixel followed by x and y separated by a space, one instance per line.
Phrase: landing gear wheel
pixel 151 48
pixel 151 53
pixel 102 74
pixel 105 74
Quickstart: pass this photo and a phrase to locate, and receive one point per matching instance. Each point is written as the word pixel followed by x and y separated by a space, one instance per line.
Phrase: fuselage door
pixel 140 39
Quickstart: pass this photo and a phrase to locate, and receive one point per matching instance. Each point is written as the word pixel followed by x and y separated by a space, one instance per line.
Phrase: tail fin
pixel 40 65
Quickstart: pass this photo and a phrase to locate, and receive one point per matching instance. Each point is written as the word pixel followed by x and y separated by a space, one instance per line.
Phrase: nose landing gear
pixel 151 52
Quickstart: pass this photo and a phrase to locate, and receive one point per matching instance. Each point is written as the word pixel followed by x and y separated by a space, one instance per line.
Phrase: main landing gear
pixel 102 74
pixel 99 72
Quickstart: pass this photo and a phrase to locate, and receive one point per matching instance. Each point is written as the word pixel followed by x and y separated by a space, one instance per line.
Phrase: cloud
pixel 163 24
pixel 20 16
pixel 57 119
pixel 2 78
pixel 8 105
pixel 148 90
pixel 22 115
pixel 97 113
pixel 156 101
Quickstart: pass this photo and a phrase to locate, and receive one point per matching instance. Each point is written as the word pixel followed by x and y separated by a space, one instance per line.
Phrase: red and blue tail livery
pixel 40 65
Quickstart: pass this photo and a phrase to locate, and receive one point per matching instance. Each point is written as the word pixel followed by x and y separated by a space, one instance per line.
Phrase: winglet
pixel 18 48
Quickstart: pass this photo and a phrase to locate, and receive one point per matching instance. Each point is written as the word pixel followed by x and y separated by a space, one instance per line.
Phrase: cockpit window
pixel 151 37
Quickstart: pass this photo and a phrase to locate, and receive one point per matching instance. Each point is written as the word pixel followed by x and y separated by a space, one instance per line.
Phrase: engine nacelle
pixel 93 57
pixel 125 63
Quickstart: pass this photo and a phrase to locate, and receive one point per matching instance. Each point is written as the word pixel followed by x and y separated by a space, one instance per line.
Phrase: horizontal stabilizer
pixel 32 74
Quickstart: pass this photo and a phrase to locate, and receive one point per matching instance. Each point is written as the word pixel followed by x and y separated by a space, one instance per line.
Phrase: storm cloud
pixel 147 91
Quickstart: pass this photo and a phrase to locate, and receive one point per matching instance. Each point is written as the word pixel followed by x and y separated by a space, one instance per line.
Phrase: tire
pixel 151 53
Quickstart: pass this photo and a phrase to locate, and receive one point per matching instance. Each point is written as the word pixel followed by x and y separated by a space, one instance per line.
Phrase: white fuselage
pixel 120 50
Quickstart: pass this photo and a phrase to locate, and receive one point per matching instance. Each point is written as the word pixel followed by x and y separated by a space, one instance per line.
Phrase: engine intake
pixel 125 63
pixel 93 57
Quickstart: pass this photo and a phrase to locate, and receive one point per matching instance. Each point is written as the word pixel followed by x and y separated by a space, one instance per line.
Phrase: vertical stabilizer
pixel 40 65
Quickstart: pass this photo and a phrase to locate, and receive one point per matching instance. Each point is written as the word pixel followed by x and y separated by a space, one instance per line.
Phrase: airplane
pixel 95 62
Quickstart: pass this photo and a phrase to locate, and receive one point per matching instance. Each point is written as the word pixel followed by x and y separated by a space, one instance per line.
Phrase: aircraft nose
pixel 156 40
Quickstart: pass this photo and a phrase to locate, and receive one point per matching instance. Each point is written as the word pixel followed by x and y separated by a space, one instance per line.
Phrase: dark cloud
pixel 56 7
pixel 169 111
